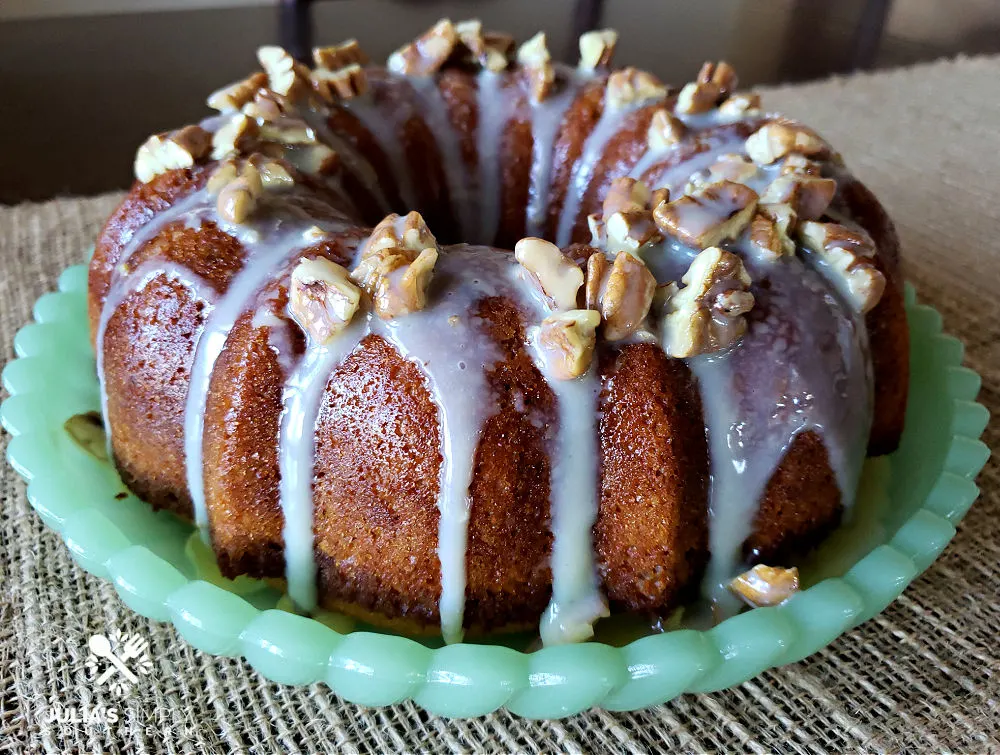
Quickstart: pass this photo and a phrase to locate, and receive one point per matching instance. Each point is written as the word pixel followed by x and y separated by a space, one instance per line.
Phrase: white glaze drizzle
pixel 385 122
pixel 454 358
pixel 490 99
pixel 268 243
pixel 546 118
pixel 583 169
pixel 576 601
pixel 352 159
pixel 301 399
pixel 435 112
pixel 121 284
pixel 781 379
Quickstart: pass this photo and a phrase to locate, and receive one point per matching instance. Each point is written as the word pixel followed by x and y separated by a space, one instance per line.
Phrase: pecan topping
pixel 335 57
pixel 322 299
pixel 427 53
pixel 285 75
pixel 714 82
pixel 728 167
pixel 238 193
pixel 740 105
pixel 169 151
pixel 627 222
pixel 489 50
pixel 622 292
pixel 709 215
pixel 567 340
pixel 708 313
pixel 770 231
pixel 665 130
pixel 315 159
pixel 632 87
pixel 558 277
pixel 396 265
pixel 236 137
pixel 766 585
pixel 342 84
pixel 238 94
pixel 849 255
pixel 800 165
pixel 536 62
pixel 807 195
pixel 773 141
pixel 597 48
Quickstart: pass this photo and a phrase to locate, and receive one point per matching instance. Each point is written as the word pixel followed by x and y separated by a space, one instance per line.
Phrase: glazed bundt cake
pixel 479 340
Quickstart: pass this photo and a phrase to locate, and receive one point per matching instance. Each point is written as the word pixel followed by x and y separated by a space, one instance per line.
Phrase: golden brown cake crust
pixel 651 535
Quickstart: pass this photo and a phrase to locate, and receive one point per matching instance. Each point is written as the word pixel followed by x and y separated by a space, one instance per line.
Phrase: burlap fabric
pixel 922 676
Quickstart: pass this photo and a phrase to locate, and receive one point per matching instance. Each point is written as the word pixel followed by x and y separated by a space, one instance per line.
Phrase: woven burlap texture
pixel 922 676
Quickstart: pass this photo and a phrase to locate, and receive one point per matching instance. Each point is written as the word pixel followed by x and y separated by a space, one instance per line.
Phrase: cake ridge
pixel 421 332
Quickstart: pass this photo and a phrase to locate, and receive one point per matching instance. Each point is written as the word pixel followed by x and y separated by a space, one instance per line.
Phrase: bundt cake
pixel 479 340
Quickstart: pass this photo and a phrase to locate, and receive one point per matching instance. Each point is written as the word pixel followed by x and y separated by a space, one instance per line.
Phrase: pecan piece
pixel 708 313
pixel 322 300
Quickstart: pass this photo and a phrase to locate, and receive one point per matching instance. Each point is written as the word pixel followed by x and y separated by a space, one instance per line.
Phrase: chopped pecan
pixel 315 159
pixel 627 223
pixel 490 50
pixel 849 255
pixel 265 107
pixel 625 194
pixel 708 313
pixel 236 95
pixel 273 175
pixel 566 341
pixel 396 265
pixel 342 84
pixel 535 60
pixel 711 214
pixel 499 49
pixel 598 232
pixel 285 75
pixel 800 165
pixel 288 130
pixel 335 57
pixel 631 230
pixel 235 137
pixel 238 196
pixel 728 167
pixel 169 151
pixel 665 130
pixel 322 300
pixel 622 292
pixel 774 140
pixel 770 231
pixel 721 75
pixel 739 105
pixel 558 277
pixel 632 87
pixel 427 53
pixel 766 585
pixel 714 82
pixel 597 48
pixel 807 195
pixel 406 291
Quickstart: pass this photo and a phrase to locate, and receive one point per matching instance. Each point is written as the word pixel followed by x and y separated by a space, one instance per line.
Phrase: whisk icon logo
pixel 118 661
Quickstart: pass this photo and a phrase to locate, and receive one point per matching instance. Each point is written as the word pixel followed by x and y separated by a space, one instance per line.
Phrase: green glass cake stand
pixel 907 512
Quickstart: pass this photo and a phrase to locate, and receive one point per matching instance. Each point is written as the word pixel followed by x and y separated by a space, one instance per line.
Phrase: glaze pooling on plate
pixel 802 364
